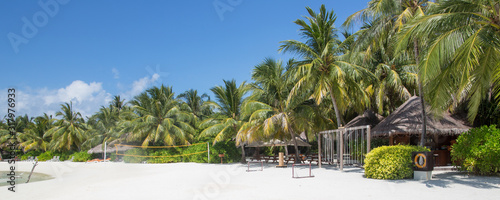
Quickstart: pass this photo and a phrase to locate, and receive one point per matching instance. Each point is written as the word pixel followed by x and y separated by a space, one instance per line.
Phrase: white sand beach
pixel 77 181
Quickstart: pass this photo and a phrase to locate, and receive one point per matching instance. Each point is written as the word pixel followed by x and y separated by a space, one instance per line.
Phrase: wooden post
pixel 368 139
pixel 319 150
pixel 391 139
pixel 341 152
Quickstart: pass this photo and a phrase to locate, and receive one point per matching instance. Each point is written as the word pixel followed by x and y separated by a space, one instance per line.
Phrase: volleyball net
pixel 124 150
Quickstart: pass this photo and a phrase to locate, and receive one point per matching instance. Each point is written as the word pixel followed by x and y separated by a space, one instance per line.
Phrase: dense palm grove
pixel 447 52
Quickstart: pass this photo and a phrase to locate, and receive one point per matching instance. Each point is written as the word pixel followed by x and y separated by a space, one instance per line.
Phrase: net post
pixel 368 138
pixel 319 149
pixel 208 154
pixel 105 146
pixel 341 151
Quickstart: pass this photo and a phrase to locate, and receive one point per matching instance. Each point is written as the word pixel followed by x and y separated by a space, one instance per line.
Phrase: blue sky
pixel 56 51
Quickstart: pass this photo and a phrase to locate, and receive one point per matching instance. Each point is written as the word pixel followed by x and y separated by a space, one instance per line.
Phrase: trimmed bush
pixel 80 156
pixel 478 151
pixel 391 162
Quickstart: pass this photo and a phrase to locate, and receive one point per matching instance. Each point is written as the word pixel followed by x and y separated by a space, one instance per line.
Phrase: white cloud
pixel 140 86
pixel 116 73
pixel 87 98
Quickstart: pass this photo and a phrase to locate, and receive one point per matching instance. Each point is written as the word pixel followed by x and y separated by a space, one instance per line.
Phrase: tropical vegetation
pixel 444 51
pixel 478 150
pixel 391 162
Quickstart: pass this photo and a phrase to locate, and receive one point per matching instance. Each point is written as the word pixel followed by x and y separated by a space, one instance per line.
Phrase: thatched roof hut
pixel 407 119
pixel 367 118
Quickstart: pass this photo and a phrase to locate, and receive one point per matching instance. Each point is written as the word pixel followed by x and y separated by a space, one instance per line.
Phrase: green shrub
pixel 63 155
pixel 478 151
pixel 81 156
pixel 391 162
pixel 30 154
pixel 135 151
pixel 231 153
pixel 194 153
pixel 45 156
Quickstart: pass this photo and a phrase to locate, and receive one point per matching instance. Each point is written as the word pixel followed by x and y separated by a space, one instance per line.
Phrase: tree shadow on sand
pixel 446 179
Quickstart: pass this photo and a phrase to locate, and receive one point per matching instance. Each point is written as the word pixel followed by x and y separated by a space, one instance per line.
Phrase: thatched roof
pixel 407 119
pixel 367 118
pixel 110 147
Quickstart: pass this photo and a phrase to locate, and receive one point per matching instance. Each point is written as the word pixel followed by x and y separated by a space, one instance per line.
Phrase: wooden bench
pixel 313 158
pixel 291 158
pixel 274 158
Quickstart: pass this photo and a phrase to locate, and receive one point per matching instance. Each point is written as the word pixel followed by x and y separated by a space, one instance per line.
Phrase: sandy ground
pixel 76 181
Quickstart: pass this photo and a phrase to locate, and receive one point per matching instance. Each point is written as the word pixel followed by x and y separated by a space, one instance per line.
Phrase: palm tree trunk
pixel 421 94
pixel 335 107
pixel 243 158
pixel 297 159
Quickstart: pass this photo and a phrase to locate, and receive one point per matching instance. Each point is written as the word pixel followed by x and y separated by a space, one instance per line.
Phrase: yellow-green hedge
pixel 391 162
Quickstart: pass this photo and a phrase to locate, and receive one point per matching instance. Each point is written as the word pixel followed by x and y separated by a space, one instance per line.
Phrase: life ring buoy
pixel 418 162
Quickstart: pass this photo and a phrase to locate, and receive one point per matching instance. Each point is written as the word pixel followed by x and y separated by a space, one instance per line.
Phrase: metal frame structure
pixel 293 171
pixel 261 165
pixel 348 142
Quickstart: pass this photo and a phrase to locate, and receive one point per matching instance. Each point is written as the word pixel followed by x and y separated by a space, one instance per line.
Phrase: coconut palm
pixel 321 68
pixel 155 118
pixel 68 132
pixel 200 106
pixel 396 72
pixel 103 126
pixel 462 57
pixel 32 137
pixel 271 116
pixel 118 104
pixel 388 18
pixel 226 125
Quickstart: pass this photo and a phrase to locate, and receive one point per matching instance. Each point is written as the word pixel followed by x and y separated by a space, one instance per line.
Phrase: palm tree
pixel 271 116
pixel 388 18
pixel 321 67
pixel 32 137
pixel 103 126
pixel 462 57
pixel 118 104
pixel 198 105
pixel 396 72
pixel 68 132
pixel 156 118
pixel 226 125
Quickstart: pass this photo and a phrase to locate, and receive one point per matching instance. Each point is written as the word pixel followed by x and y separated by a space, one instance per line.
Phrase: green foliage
pixel 135 151
pixel 65 155
pixel 30 154
pixel 45 156
pixel 478 151
pixel 390 162
pixel 378 142
pixel 228 148
pixel 81 156
pixel 186 154
pixel 357 148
